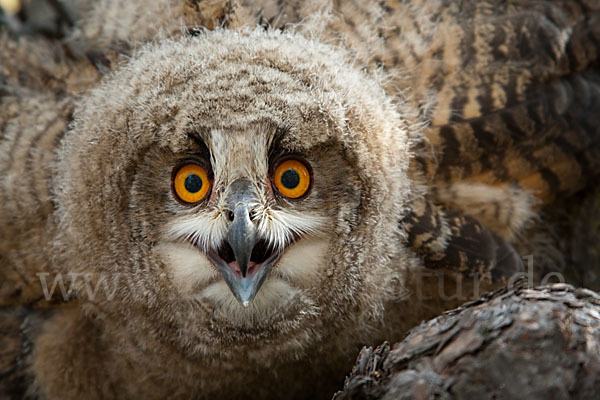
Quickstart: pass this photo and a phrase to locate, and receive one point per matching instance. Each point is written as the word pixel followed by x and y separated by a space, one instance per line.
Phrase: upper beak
pixel 243 276
pixel 242 236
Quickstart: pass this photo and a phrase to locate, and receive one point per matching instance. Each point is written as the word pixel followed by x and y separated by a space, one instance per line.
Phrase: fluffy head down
pixel 241 97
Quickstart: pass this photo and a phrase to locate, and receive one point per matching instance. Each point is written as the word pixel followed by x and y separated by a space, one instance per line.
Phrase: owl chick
pixel 233 211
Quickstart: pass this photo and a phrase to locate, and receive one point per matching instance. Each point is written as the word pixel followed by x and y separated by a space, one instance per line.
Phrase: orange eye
pixel 292 178
pixel 191 183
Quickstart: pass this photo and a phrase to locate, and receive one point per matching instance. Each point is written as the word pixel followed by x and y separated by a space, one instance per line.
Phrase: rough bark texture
pixel 521 343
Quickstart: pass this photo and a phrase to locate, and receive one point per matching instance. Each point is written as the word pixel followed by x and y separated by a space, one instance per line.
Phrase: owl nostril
pixel 231 215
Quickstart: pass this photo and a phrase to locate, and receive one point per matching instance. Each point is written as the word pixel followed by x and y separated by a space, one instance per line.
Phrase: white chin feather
pixel 273 294
pixel 303 261
pixel 189 268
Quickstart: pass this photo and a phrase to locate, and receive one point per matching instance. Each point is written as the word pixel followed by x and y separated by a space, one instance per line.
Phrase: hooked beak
pixel 243 259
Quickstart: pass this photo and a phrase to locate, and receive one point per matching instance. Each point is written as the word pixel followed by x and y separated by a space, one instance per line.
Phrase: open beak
pixel 243 258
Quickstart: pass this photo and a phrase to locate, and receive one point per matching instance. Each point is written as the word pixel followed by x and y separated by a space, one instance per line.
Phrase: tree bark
pixel 516 343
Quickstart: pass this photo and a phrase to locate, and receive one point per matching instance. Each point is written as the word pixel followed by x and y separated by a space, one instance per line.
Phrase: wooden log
pixel 517 343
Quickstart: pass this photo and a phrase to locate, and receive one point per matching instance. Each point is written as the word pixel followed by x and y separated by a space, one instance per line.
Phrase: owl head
pixel 235 186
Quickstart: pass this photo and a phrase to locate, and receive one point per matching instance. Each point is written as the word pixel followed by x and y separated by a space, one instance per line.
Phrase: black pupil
pixel 193 183
pixel 290 179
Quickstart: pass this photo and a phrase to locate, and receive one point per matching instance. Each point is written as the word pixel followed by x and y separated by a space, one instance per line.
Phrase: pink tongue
pixel 236 268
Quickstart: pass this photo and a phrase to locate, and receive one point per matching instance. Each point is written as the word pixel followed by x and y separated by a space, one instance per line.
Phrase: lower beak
pixel 244 288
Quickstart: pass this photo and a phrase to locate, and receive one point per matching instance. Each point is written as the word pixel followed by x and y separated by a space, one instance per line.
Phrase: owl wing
pixel 517 94
pixel 452 244
pixel 515 119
